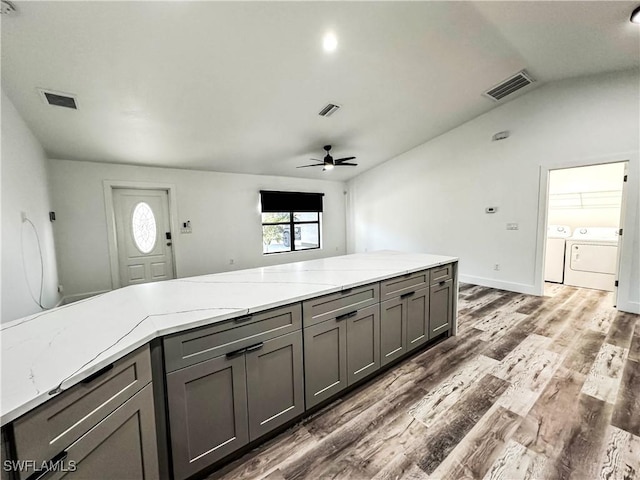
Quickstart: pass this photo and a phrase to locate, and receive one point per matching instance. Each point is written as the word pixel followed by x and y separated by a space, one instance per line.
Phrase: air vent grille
pixel 510 85
pixel 329 110
pixel 59 99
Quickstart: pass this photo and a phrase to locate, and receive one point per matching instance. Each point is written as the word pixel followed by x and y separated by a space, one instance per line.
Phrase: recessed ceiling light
pixel 329 42
pixel 635 15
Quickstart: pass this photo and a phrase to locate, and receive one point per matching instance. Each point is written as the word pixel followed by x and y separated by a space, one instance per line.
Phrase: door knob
pixel 168 244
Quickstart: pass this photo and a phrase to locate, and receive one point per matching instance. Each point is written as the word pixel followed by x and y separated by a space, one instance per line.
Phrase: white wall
pixel 432 198
pixel 223 209
pixel 605 181
pixel 25 189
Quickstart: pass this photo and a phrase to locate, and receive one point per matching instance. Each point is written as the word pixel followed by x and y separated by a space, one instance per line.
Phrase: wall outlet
pixel 512 226
pixel 60 289
pixel 496 267
pixel 185 230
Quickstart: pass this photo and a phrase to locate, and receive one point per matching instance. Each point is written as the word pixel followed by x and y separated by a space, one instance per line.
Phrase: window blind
pixel 290 201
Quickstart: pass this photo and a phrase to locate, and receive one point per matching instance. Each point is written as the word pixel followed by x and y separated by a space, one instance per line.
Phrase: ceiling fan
pixel 329 162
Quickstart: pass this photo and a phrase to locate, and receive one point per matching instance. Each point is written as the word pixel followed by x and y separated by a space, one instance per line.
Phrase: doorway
pixel 143 240
pixel 584 218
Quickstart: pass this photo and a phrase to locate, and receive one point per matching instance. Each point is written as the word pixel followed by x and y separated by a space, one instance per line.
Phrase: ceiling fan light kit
pixel 328 163
pixel 635 15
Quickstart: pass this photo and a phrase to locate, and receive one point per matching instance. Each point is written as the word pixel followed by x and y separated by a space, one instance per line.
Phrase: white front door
pixel 144 235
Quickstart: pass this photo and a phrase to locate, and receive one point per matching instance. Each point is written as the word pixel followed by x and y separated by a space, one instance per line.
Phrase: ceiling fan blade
pixel 340 160
pixel 314 165
pixel 316 160
pixel 343 164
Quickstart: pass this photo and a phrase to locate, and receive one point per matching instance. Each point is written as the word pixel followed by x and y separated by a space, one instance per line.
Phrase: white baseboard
pixel 630 307
pixel 490 282
pixel 81 296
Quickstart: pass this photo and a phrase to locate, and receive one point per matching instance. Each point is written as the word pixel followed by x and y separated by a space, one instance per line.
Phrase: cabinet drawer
pixel 397 286
pixel 320 309
pixel 121 446
pixel 194 346
pixel 52 427
pixel 441 274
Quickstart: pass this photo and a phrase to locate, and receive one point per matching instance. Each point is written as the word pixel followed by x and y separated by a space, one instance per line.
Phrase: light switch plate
pixel 512 226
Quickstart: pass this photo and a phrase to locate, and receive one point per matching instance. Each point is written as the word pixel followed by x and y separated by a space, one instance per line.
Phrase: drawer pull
pixel 245 318
pixel 38 474
pixel 97 374
pixel 346 315
pixel 236 353
pixel 257 346
pixel 442 282
pixel 346 290
pixel 407 295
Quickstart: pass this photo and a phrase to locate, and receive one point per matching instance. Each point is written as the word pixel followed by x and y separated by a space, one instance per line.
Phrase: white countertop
pixel 62 346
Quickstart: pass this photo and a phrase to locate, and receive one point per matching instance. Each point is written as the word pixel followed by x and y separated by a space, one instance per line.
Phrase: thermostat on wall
pixel 491 209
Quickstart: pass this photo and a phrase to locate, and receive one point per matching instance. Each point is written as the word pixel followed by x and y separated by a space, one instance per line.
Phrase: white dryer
pixel 591 258
pixel 554 256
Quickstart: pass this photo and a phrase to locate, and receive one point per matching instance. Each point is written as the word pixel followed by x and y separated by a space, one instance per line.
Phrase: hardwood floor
pixel 531 388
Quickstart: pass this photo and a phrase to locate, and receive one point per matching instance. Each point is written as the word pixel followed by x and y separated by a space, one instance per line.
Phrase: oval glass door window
pixel 143 225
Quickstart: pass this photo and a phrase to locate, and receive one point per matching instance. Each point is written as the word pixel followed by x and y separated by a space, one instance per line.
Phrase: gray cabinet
pixel 363 344
pixel 404 318
pixel 253 385
pixel 274 383
pixel 404 323
pixel 393 329
pixel 417 318
pixel 340 351
pixel 207 412
pixel 122 446
pixel 325 360
pixel 441 307
pixel 5 474
pixel 76 418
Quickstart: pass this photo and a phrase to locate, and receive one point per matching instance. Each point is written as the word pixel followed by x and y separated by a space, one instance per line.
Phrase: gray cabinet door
pixel 417 318
pixel 325 360
pixel 207 412
pixel 441 308
pixel 393 329
pixel 122 446
pixel 363 343
pixel 275 384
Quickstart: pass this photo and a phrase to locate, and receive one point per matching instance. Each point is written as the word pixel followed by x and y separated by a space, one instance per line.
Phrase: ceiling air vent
pixel 7 8
pixel 329 110
pixel 59 99
pixel 510 85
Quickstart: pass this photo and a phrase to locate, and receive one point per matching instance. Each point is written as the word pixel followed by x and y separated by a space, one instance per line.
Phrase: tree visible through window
pixel 290 221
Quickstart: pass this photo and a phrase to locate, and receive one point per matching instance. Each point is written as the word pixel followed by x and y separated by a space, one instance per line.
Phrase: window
pixel 143 225
pixel 290 221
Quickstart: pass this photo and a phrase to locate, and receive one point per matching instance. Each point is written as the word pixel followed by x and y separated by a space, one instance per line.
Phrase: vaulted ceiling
pixel 237 86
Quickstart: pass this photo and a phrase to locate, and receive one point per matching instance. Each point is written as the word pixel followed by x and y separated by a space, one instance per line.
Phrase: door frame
pixel 109 186
pixel 626 242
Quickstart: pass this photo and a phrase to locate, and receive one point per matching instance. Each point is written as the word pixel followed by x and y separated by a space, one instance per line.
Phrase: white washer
pixel 554 257
pixel 591 258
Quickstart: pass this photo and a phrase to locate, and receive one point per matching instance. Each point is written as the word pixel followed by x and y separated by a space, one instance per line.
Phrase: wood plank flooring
pixel 531 388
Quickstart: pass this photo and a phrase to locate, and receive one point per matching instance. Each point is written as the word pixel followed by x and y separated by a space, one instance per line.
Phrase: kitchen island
pixel 207 324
